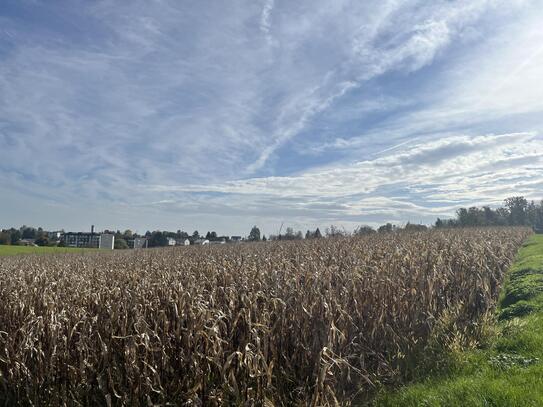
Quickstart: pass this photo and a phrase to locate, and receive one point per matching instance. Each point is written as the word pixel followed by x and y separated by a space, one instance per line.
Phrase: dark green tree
pixel 15 236
pixel 517 206
pixel 158 239
pixel 120 244
pixel 5 238
pixel 364 230
pixel 254 235
pixel 42 240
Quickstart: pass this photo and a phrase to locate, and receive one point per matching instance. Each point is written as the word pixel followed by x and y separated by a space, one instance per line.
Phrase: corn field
pixel 317 322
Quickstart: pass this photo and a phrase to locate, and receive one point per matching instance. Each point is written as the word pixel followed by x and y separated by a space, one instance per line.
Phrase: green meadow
pixel 16 250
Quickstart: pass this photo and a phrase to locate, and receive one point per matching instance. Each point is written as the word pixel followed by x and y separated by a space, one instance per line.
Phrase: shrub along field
pixel 318 322
pixel 508 371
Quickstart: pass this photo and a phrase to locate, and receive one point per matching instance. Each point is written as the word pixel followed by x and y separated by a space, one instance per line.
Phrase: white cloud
pixel 265 20
pixel 476 169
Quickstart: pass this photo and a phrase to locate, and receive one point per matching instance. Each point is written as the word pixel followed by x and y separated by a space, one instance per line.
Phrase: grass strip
pixel 6 250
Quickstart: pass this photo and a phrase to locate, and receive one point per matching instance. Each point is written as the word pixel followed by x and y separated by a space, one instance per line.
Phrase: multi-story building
pixel 54 236
pixel 81 239
pixel 89 240
pixel 137 243
pixel 107 241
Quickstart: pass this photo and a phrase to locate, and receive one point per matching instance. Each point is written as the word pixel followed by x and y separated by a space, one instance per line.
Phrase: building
pixel 171 241
pixel 88 240
pixel 235 238
pixel 201 242
pixel 139 243
pixel 81 239
pixel 182 242
pixel 106 241
pixel 213 242
pixel 54 236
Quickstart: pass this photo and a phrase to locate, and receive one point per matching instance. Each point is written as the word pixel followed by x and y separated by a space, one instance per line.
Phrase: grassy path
pixel 14 250
pixel 510 371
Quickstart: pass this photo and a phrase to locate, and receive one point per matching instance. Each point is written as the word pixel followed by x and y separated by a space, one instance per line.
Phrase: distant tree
pixel 313 235
pixel 502 215
pixel 28 232
pixel 531 213
pixel 413 227
pixel 335 231
pixel 254 235
pixel 538 221
pixel 5 238
pixel 517 206
pixel 195 235
pixel 289 234
pixel 364 230
pixel 264 238
pixel 120 244
pixel 387 228
pixel 15 236
pixel 463 217
pixel 181 235
pixel 211 235
pixel 158 239
pixel 42 240
pixel 128 234
pixel 516 211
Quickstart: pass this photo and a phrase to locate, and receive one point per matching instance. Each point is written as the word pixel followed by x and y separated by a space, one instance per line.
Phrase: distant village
pixel 29 236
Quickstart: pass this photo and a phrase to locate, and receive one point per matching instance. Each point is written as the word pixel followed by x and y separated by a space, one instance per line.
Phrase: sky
pixel 215 115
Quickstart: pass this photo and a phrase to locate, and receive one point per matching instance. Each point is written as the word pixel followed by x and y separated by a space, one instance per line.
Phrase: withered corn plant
pixel 306 323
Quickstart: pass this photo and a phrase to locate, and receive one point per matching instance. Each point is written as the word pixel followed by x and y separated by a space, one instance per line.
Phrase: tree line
pixel 516 211
pixel 13 236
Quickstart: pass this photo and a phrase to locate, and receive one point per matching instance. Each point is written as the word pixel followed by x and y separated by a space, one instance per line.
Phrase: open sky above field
pixel 220 115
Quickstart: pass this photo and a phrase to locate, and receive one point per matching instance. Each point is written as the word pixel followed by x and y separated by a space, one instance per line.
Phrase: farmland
pixel 317 322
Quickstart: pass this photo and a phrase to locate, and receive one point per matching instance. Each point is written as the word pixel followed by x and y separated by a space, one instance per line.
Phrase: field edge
pixel 508 371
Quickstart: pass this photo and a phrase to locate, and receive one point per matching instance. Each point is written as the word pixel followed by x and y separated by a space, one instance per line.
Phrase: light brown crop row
pixel 297 323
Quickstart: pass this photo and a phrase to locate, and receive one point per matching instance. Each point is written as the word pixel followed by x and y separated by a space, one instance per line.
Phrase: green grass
pixel 16 250
pixel 508 372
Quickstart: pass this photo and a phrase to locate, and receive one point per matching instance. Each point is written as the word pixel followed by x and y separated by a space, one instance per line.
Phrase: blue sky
pixel 220 115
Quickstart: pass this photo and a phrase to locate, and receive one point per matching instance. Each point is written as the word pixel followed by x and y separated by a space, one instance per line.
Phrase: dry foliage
pixel 297 323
